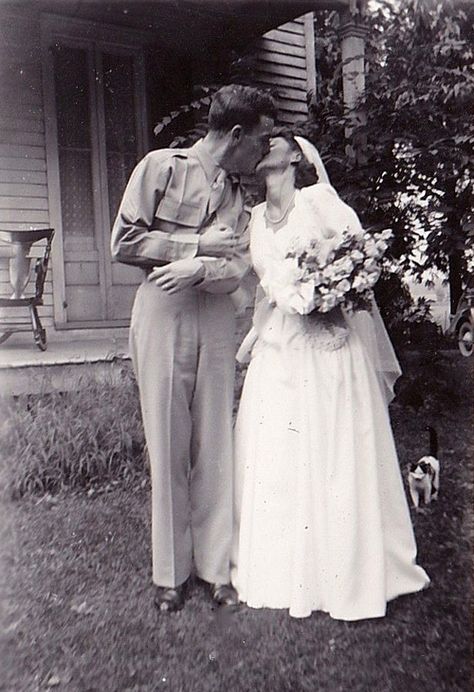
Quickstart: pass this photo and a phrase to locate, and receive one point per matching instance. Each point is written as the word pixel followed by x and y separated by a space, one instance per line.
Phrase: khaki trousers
pixel 183 353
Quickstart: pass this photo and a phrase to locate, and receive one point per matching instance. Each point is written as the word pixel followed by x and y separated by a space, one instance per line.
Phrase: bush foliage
pixel 73 439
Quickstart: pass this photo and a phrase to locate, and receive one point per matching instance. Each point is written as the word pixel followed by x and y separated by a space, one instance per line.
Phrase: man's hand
pixel 217 241
pixel 176 276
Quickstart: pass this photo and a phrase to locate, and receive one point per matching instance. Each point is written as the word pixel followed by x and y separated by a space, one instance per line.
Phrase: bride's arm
pixel 258 251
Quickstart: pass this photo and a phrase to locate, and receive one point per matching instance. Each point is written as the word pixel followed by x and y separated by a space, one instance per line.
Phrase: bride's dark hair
pixel 305 172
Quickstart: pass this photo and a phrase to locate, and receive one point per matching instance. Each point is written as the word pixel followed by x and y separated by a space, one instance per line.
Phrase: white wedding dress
pixel 322 521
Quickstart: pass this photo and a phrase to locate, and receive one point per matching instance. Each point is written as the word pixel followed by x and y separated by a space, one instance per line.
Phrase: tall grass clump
pixel 73 439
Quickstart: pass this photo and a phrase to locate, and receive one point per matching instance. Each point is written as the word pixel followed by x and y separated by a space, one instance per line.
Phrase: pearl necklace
pixel 283 216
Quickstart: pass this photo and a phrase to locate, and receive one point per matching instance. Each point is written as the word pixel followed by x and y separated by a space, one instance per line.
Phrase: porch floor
pixel 24 369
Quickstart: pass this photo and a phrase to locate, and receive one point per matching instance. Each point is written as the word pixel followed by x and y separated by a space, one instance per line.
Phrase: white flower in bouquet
pixel 356 256
pixel 329 273
pixel 344 266
pixel 326 257
pixel 370 264
pixel 315 276
pixel 328 302
pixel 342 288
pixel 361 282
pixel 370 248
pixel 374 277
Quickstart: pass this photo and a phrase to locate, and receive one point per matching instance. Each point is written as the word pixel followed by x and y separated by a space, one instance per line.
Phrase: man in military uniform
pixel 182 219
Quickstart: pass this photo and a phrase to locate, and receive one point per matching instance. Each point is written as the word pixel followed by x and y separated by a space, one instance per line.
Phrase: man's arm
pixel 132 241
pixel 218 275
pixel 223 275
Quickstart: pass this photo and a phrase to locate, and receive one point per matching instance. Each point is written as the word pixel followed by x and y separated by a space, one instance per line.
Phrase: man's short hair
pixel 236 104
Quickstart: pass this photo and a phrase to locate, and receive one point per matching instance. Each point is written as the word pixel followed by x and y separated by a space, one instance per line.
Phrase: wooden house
pixel 82 85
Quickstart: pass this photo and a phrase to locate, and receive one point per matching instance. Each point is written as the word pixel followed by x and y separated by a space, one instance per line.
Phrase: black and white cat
pixel 423 475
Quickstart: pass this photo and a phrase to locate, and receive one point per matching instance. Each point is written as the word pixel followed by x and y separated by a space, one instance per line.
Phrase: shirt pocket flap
pixel 180 213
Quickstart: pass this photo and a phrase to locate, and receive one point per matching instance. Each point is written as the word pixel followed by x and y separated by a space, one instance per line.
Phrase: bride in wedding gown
pixel 322 521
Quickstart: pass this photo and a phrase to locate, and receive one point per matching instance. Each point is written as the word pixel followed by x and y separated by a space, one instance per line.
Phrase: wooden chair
pixel 20 243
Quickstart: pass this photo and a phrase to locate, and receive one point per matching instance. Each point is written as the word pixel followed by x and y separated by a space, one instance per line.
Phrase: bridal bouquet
pixel 339 275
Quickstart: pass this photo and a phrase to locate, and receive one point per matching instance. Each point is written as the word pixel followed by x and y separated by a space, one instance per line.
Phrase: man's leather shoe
pixel 169 599
pixel 224 595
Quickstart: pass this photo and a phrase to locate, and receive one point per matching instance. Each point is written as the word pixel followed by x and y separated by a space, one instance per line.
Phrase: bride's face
pixel 280 156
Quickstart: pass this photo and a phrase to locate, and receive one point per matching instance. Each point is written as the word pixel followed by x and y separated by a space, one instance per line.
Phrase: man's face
pixel 252 146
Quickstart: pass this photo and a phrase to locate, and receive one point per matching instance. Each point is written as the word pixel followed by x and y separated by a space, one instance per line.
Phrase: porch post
pixel 353 33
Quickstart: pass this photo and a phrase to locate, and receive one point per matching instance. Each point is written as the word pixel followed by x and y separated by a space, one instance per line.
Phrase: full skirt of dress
pixel 322 521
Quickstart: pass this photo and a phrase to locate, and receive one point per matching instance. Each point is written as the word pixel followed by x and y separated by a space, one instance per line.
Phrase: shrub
pixel 428 382
pixel 73 439
pixel 408 322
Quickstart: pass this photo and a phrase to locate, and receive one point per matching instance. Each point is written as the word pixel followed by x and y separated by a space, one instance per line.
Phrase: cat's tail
pixel 433 442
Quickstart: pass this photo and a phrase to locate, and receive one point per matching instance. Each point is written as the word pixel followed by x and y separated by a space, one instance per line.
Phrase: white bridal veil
pixel 369 326
pixel 372 333
pixel 312 155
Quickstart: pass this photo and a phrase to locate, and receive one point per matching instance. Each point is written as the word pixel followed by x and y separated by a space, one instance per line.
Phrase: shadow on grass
pixel 78 611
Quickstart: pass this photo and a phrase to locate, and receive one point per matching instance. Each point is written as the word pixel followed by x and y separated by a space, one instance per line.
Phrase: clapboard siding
pixel 277 47
pixel 23 202
pixel 283 62
pixel 21 226
pixel 290 73
pixel 284 38
pixel 21 137
pixel 293 27
pixel 23 184
pixel 279 80
pixel 30 291
pixel 15 163
pixel 22 176
pixel 286 92
pixel 21 316
pixel 18 96
pixel 20 151
pixel 292 106
pixel 28 217
pixel 10 109
pixel 23 191
pixel 270 56
pixel 5 276
pixel 25 125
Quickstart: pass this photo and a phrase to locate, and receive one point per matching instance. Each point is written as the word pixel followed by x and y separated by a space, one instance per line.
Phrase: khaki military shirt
pixel 169 200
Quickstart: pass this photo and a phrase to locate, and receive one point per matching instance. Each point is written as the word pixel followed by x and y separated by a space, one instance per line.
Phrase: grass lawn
pixel 77 609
